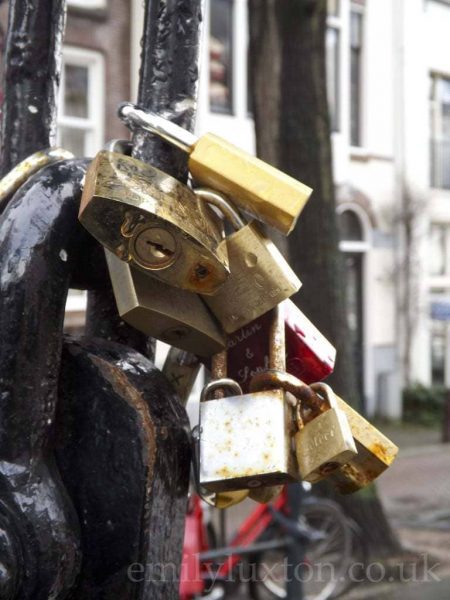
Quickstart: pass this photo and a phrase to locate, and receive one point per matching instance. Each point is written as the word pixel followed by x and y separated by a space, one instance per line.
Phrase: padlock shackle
pixel 120 146
pixel 224 204
pixel 219 384
pixel 277 340
pixel 11 182
pixel 138 118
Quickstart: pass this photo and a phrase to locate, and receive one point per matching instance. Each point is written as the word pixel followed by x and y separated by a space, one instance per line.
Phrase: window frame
pixel 93 125
pixel 335 21
pixel 360 8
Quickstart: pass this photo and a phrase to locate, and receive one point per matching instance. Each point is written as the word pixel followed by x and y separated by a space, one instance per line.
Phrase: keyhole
pixel 155 248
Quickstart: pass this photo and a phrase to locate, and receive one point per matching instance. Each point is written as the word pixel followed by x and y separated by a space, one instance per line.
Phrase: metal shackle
pixel 223 204
pixel 217 384
pixel 138 118
pixel 325 392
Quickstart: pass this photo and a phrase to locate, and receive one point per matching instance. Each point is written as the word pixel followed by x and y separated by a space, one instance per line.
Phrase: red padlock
pixel 309 355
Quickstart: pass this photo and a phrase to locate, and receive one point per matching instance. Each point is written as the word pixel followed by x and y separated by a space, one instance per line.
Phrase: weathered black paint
pixel 169 77
pixel 109 422
pixel 40 238
pixel 31 78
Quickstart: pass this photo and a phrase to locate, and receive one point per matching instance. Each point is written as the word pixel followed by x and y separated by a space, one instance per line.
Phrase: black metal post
pixel 31 78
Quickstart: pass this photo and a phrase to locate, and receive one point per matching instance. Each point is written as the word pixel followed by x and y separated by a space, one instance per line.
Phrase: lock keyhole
pixel 155 248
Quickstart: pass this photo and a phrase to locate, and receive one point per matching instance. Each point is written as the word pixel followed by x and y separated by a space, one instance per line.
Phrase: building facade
pixel 388 70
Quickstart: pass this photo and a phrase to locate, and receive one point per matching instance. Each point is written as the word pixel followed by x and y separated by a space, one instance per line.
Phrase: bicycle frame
pixel 198 556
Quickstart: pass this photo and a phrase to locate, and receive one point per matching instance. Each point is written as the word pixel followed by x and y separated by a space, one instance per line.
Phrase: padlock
pixel 309 355
pixel 258 188
pixel 245 439
pixel 174 316
pixel 375 452
pixel 260 277
pixel 326 442
pixel 154 222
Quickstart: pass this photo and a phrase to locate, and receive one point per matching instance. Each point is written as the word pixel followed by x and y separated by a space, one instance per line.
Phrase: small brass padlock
pixel 261 190
pixel 260 277
pixel 171 315
pixel 154 222
pixel 326 442
pixel 245 439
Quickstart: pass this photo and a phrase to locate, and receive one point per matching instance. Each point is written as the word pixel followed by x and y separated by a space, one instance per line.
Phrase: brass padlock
pixel 154 222
pixel 326 442
pixel 261 190
pixel 171 315
pixel 375 452
pixel 260 277
pixel 245 439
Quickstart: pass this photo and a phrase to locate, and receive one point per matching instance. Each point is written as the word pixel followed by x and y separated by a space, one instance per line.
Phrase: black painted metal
pixel 169 77
pixel 40 238
pixel 31 78
pixel 109 420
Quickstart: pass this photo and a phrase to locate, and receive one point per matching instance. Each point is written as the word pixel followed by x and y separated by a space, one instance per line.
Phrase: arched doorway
pixel 354 228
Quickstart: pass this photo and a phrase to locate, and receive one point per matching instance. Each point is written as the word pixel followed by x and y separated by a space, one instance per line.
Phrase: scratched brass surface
pixel 124 198
pixel 260 279
pixel 258 188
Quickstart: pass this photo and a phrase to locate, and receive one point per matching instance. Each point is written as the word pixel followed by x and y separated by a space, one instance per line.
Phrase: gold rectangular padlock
pixel 154 222
pixel 171 315
pixel 325 442
pixel 245 439
pixel 376 453
pixel 261 190
pixel 260 277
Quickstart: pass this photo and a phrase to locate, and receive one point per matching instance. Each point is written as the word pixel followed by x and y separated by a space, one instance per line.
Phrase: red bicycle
pixel 256 554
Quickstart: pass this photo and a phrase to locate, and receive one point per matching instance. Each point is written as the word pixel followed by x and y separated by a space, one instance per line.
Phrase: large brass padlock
pixel 154 222
pixel 174 316
pixel 326 442
pixel 261 190
pixel 260 277
pixel 245 439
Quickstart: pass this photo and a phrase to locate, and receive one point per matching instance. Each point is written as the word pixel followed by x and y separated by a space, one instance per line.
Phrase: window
pixel 356 37
pixel 440 132
pixel 81 102
pixel 354 246
pixel 439 255
pixel 333 73
pixel 220 56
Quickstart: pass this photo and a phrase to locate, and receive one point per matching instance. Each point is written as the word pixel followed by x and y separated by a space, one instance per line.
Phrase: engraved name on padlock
pixel 154 222
pixel 260 277
pixel 326 442
pixel 309 355
pixel 171 315
pixel 261 190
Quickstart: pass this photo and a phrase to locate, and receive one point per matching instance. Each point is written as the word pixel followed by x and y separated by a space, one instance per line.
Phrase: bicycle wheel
pixel 327 555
